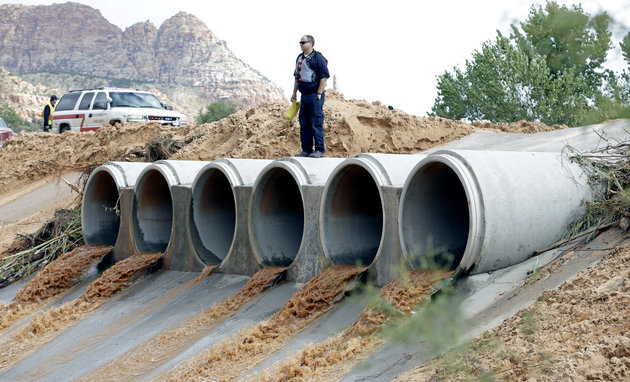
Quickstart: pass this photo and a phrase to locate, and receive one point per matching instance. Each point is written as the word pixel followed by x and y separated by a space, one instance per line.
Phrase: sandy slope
pixel 577 332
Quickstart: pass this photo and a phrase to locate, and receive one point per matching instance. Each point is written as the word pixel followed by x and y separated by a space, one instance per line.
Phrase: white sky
pixel 387 50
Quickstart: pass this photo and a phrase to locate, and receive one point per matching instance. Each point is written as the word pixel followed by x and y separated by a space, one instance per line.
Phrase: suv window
pixel 67 102
pixel 132 99
pixel 86 101
pixel 100 103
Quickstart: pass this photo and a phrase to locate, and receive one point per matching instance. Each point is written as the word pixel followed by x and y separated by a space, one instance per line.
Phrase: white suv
pixel 84 110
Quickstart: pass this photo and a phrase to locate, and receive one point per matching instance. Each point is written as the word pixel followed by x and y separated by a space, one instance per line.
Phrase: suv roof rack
pixel 104 88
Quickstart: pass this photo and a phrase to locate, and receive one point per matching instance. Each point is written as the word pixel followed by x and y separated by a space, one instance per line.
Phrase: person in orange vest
pixel 49 109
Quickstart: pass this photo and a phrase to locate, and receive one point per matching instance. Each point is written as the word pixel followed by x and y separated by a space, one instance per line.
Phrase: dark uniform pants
pixel 312 122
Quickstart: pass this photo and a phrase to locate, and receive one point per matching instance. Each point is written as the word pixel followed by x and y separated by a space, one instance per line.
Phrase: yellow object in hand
pixel 293 110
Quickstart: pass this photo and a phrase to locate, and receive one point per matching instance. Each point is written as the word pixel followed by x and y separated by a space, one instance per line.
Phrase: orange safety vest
pixel 52 110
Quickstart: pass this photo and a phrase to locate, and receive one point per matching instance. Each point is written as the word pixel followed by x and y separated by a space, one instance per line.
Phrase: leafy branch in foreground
pixel 29 253
pixel 608 171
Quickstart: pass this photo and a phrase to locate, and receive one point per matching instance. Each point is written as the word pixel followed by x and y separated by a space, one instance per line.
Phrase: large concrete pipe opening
pixel 100 214
pixel 435 219
pixel 276 218
pixel 152 213
pixel 351 217
pixel 213 216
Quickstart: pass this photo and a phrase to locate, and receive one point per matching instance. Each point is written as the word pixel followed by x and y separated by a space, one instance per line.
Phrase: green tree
pixel 503 84
pixel 566 38
pixel 8 114
pixel 217 110
pixel 549 69
pixel 625 48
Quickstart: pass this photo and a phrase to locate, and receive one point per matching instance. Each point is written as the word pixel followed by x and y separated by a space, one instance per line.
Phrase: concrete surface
pixel 38 199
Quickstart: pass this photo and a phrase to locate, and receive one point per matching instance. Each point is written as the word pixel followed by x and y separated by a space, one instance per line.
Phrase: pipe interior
pixel 153 213
pixel 352 217
pixel 213 217
pixel 100 218
pixel 277 218
pixel 435 218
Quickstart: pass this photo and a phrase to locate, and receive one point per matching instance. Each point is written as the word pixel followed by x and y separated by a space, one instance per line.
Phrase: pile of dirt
pixel 351 127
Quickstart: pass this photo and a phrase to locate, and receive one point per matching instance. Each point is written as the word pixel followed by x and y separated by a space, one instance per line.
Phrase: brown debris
pixel 43 328
pixel 231 357
pixel 56 278
pixel 323 361
pixel 170 342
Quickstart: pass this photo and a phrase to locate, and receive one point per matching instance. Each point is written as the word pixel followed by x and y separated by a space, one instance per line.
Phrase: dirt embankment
pixel 351 126
pixel 577 332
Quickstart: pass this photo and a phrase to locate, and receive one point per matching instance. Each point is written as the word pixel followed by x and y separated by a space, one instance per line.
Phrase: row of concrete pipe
pixel 471 210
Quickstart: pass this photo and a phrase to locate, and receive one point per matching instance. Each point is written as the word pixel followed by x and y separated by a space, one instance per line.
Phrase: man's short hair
pixel 311 39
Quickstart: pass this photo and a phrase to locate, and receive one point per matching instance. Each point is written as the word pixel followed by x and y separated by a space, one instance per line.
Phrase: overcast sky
pixel 388 50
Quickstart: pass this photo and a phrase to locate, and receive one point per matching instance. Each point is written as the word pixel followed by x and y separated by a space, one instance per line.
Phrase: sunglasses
pixel 304 42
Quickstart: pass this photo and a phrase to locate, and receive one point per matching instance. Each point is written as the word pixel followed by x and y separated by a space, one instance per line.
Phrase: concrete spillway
pixel 474 207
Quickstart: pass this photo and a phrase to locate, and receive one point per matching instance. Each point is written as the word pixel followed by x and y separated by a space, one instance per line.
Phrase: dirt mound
pixel 351 126
pixel 577 332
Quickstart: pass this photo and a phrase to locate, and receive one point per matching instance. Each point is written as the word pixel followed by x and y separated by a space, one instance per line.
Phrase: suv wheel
pixel 63 129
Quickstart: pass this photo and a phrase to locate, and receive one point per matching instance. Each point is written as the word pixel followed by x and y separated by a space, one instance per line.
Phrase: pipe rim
pixel 476 227
pixel 369 164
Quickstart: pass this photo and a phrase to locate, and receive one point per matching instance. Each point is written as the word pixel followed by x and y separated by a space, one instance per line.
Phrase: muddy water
pixel 329 359
pixel 233 356
pixel 52 281
pixel 43 328
pixel 167 344
pixel 205 272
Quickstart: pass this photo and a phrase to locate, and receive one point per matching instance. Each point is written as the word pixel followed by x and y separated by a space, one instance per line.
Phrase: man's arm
pixel 294 96
pixel 323 73
pixel 322 86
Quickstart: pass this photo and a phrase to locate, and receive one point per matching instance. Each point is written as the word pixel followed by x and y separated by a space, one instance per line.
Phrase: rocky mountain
pixel 76 39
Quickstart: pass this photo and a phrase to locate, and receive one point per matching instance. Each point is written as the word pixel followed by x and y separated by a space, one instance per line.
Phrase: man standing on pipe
pixel 311 74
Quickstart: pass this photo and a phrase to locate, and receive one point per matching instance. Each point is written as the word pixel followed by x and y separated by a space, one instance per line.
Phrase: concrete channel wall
pixel 474 210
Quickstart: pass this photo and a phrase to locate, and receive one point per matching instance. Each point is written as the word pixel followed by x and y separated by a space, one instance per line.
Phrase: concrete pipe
pixel 283 213
pixel 100 219
pixel 219 208
pixel 477 211
pixel 358 218
pixel 153 212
